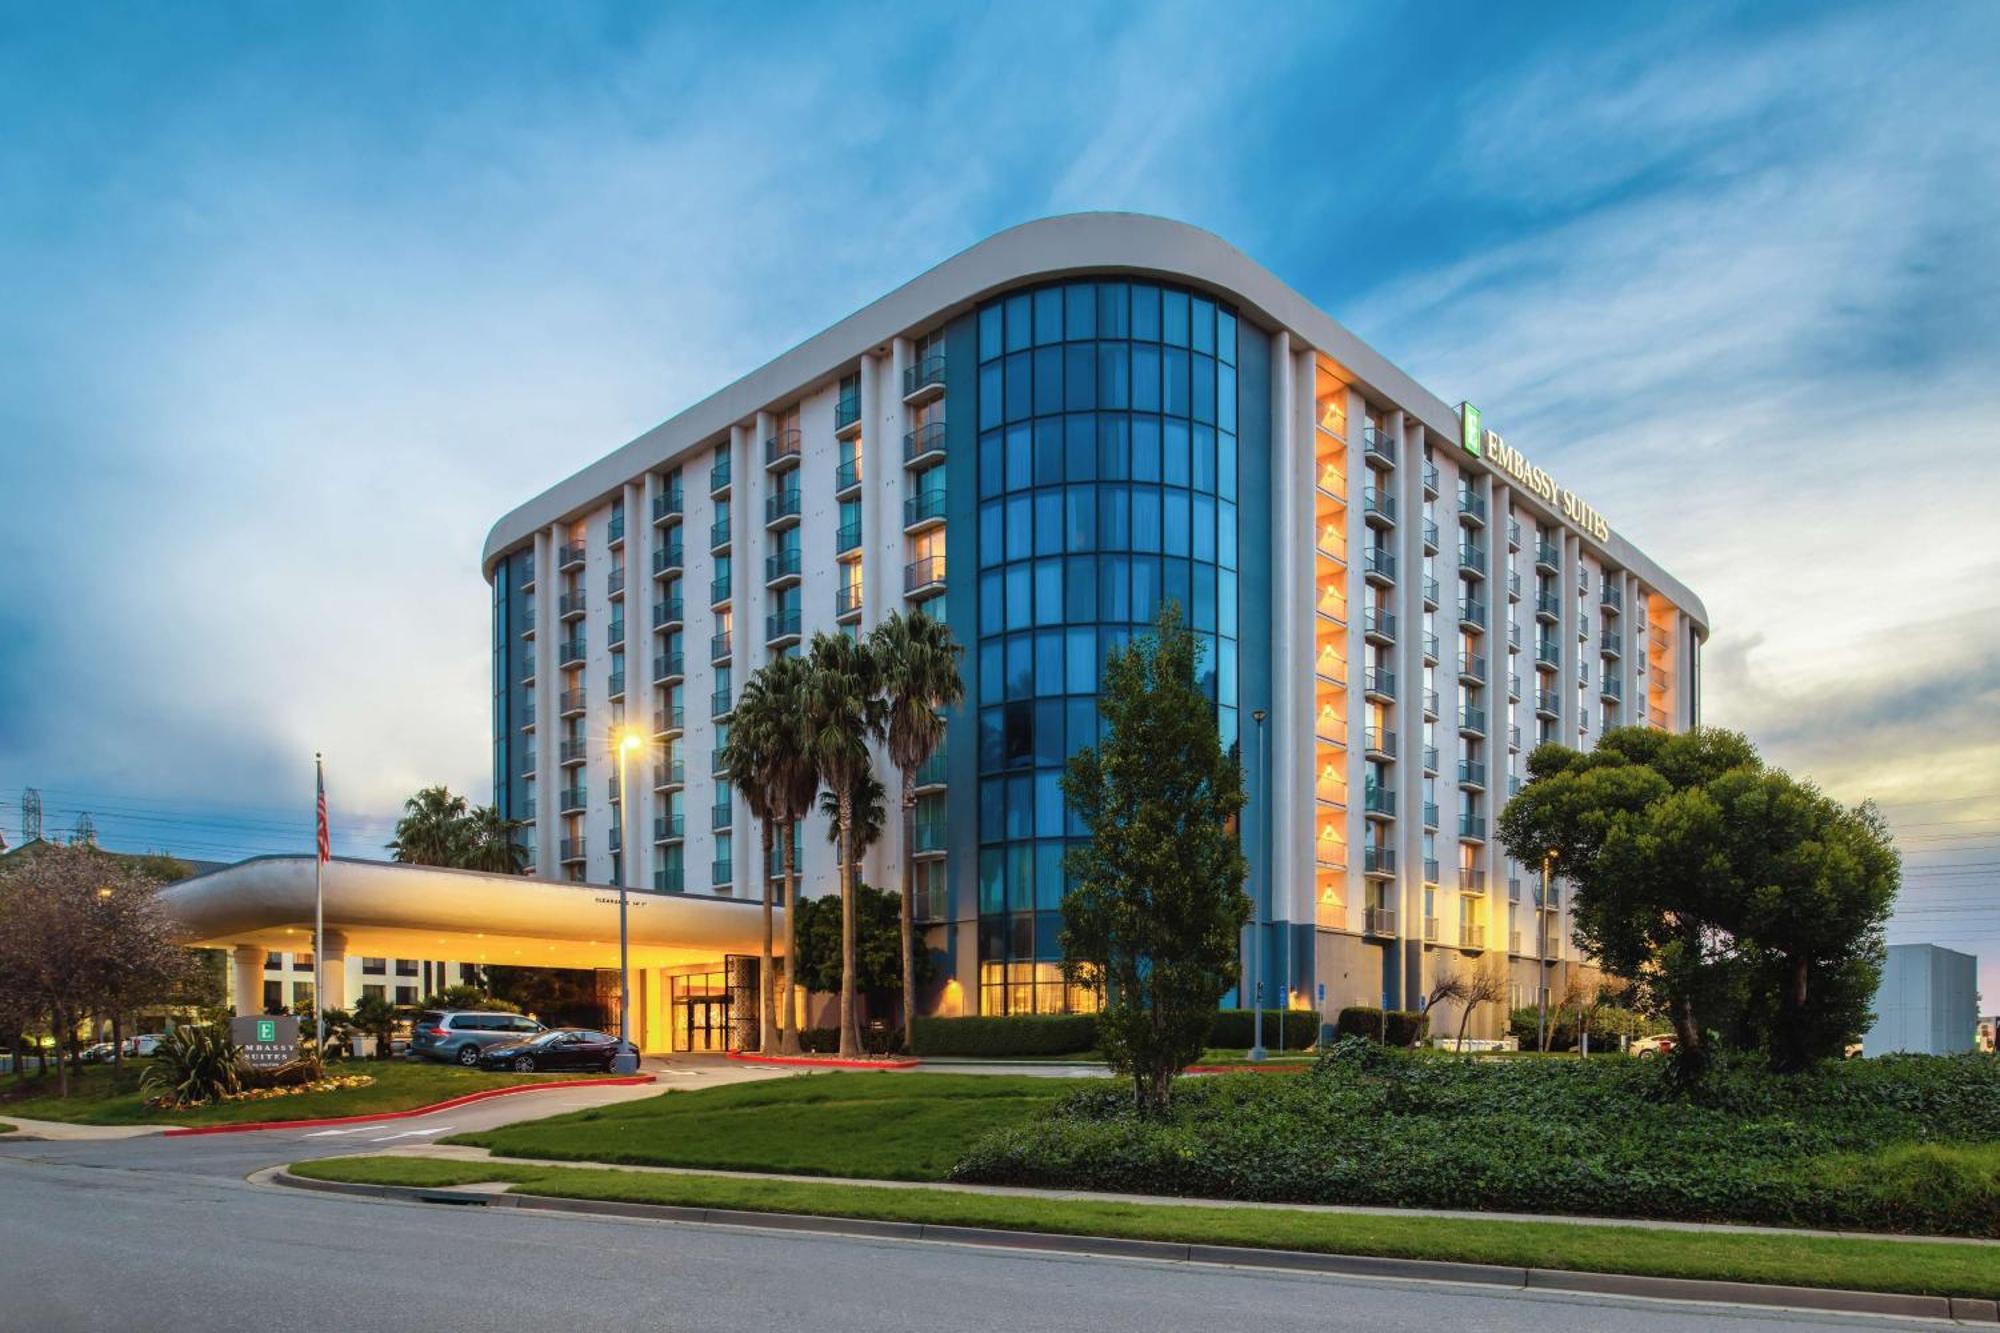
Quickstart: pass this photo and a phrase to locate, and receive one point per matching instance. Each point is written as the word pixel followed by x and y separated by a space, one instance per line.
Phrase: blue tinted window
pixel 1114 518
pixel 1112 308
pixel 1080 673
pixel 1080 521
pixel 1048 674
pixel 1145 378
pixel 1204 388
pixel 1225 466
pixel 992 809
pixel 990 401
pixel 992 880
pixel 1080 446
pixel 1048 803
pixel 1174 318
pixel 1145 312
pixel 1020 809
pixel 992 534
pixel 1020 598
pixel 1225 397
pixel 1114 375
pixel 1175 521
pixel 1048 592
pixel 1080 596
pixel 1145 589
pixel 1145 448
pixel 1049 315
pixel 1145 518
pixel 992 750
pixel 1080 311
pixel 1048 450
pixel 1048 878
pixel 1204 459
pixel 992 603
pixel 1020 331
pixel 1080 377
pixel 1201 326
pixel 989 332
pixel 1225 337
pixel 1114 446
pixel 1020 665
pixel 992 677
pixel 1049 521
pixel 1175 397
pixel 1020 456
pixel 1020 526
pixel 1048 380
pixel 1174 451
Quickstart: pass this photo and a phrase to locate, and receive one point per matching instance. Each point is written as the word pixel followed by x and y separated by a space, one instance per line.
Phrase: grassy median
pixel 1939 1268
pixel 105 1096
pixel 880 1125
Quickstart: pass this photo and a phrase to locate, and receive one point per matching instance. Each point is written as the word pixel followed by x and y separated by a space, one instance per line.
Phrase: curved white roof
pixel 1132 243
pixel 385 909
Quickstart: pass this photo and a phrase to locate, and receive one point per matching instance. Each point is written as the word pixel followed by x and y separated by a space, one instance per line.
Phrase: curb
pixel 821 1061
pixel 486 1094
pixel 1826 1299
pixel 1288 1067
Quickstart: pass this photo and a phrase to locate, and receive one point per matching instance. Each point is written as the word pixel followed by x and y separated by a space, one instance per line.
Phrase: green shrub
pixel 998 1036
pixel 1359 1020
pixel 1905 1143
pixel 193 1065
pixel 1232 1029
pixel 1406 1026
pixel 826 1041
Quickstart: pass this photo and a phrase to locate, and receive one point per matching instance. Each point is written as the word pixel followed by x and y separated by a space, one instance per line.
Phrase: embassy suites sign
pixel 1481 443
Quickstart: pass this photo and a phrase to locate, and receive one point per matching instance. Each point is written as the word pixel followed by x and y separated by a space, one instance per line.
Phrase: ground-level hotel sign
pixel 1482 443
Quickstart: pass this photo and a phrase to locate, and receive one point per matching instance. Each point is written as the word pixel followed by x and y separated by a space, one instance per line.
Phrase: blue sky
pixel 296 303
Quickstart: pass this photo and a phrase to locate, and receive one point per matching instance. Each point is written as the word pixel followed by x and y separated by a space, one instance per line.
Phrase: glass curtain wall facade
pixel 1109 485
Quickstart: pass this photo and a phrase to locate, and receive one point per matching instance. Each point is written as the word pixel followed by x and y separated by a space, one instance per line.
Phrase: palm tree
pixel 746 765
pixel 843 713
pixel 918 659
pixel 791 776
pixel 491 842
pixel 432 829
pixel 871 817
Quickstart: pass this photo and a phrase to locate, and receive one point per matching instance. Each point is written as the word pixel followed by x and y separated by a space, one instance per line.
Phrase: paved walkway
pixel 467 1153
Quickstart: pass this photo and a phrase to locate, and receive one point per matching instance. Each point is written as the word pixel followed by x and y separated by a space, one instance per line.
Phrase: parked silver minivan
pixel 459 1034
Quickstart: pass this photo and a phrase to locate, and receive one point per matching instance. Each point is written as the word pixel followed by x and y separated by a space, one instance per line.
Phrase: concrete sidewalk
pixel 467 1153
pixel 63 1131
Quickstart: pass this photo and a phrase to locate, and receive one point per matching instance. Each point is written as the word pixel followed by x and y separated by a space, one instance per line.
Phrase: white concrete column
pixel 1358 883
pixel 1406 602
pixel 246 978
pixel 1572 564
pixel 1282 730
pixel 885 484
pixel 332 969
pixel 878 593
pixel 641 695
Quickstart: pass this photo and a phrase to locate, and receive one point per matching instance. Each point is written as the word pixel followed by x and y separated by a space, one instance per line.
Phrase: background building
pixel 1927 1004
pixel 1040 441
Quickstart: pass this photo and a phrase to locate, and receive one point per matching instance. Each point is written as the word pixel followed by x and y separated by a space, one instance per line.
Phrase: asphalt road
pixel 166 1233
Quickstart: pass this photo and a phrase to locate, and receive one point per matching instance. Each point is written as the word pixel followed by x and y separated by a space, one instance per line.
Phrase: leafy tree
pixel 1737 898
pixel 754 733
pixel 920 679
pixel 464 996
pixel 878 943
pixel 1157 907
pixel 377 1018
pixel 791 776
pixel 492 842
pixel 1482 985
pixel 432 829
pixel 843 713
pixel 871 819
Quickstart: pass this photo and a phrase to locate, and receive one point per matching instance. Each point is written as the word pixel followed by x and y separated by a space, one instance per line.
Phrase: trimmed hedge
pixel 1029 1035
pixel 1403 1027
pixel 1012 1035
pixel 1907 1143
pixel 826 1041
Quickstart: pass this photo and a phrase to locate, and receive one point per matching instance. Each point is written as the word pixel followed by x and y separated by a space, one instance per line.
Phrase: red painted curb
pixel 445 1105
pixel 820 1061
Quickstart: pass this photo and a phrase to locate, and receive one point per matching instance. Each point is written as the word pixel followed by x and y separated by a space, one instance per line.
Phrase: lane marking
pixel 327 1133
pixel 412 1133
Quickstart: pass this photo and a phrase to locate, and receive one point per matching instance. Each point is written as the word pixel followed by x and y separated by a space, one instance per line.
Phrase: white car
pixel 144 1045
pixel 1660 1043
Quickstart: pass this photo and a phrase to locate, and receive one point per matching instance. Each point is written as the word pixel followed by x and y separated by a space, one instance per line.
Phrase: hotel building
pixel 1040 441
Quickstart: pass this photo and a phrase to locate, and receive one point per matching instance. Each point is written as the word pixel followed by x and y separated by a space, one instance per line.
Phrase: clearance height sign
pixel 1483 443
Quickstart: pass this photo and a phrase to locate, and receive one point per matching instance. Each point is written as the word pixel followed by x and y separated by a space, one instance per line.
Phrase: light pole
pixel 627 1059
pixel 1257 1052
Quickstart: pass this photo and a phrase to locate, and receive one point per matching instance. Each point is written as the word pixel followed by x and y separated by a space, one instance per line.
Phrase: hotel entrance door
pixel 702 1025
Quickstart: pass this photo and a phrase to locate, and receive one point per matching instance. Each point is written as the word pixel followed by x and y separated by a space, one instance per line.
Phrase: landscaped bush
pixel 1011 1035
pixel 1406 1026
pixel 193 1065
pixel 826 1041
pixel 1232 1029
pixel 1359 1020
pixel 1907 1143
pixel 1398 1027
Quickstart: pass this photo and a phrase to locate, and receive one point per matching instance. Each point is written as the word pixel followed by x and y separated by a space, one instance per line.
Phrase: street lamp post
pixel 1542 959
pixel 627 1059
pixel 1257 1052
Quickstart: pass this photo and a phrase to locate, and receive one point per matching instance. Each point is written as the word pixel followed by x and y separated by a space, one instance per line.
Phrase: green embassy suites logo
pixel 1469 434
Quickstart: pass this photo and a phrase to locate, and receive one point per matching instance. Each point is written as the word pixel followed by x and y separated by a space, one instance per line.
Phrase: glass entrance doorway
pixel 702 1025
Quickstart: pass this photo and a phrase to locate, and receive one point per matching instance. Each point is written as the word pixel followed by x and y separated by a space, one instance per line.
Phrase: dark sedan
pixel 559 1048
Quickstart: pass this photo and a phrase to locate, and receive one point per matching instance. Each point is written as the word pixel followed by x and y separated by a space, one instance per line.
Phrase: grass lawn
pixel 100 1096
pixel 1939 1268
pixel 885 1126
pixel 6 1128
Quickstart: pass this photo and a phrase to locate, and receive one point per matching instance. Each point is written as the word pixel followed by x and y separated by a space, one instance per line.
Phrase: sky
pixel 295 303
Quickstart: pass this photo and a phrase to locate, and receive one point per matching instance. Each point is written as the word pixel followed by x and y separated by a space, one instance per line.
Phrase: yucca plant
pixel 194 1065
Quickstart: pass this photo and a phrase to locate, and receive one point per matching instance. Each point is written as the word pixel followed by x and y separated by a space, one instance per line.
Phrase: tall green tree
pixel 871 819
pixel 793 777
pixel 920 682
pixel 1739 900
pixel 492 842
pixel 1156 906
pixel 432 831
pixel 843 714
pixel 746 765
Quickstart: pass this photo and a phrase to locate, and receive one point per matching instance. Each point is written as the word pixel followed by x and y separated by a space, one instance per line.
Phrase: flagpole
pixel 319 913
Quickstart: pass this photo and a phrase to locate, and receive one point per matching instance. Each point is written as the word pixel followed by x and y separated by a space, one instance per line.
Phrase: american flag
pixel 325 838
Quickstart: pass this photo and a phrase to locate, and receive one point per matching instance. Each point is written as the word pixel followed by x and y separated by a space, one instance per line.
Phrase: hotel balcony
pixel 1378 920
pixel 1430 536
pixel 1379 802
pixel 1431 705
pixel 781 508
pixel 669 773
pixel 1472 668
pixel 1471 879
pixel 1471 935
pixel 720 589
pixel 1472 827
pixel 668 614
pixel 718 476
pixel 923 380
pixel 668 668
pixel 846 602
pixel 1380 743
pixel 719 704
pixel 1513 585
pixel 1471 507
pixel 1430 822
pixel 1472 720
pixel 1379 445
pixel 1548 653
pixel 924 578
pixel 669 722
pixel 569 555
pixel 922 510
pixel 718 647
pixel 1431 759
pixel 571 849
pixel 782 450
pixel 570 703
pixel 1472 615
pixel 1471 773
pixel 667 505
pixel 1548 704
pixel 668 560
pixel 1548 555
pixel 1381 565
pixel 570 800
pixel 1378 625
pixel 719 534
pixel 1378 507
pixel 847 416
pixel 614 582
pixel 722 816
pixel 1611 643
pixel 615 688
pixel 1379 683
pixel 1378 860
pixel 720 873
pixel 846 478
pixel 571 752
pixel 781 628
pixel 1430 479
pixel 923 445
pixel 570 654
pixel 670 879
pixel 846 538
pixel 1430 647
pixel 1430 593
pixel 570 605
pixel 1513 534
pixel 783 567
pixel 1472 560
pixel 1609 688
pixel 1548 606
pixel 1612 599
